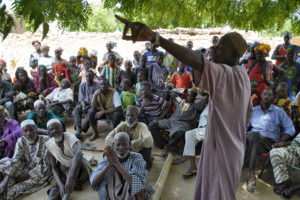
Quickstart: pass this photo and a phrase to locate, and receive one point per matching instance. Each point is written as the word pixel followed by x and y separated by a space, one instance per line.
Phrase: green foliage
pixel 101 20
pixel 68 13
pixel 254 15
pixel 6 21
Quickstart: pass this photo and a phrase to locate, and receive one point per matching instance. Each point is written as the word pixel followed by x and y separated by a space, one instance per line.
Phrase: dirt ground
pixel 176 188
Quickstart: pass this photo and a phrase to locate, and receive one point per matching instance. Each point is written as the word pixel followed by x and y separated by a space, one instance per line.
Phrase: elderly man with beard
pixel 139 134
pixel 182 120
pixel 69 168
pixel 121 174
pixel 28 170
pixel 41 116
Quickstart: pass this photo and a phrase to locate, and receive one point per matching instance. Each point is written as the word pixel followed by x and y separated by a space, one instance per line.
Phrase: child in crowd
pixel 127 97
pixel 158 73
pixel 296 111
pixel 19 94
pixel 128 74
pixel 143 61
pixel 281 98
pixel 111 71
pixel 141 76
pixel 182 78
pixel 73 72
pixel 136 60
pixel 254 85
pixel 86 66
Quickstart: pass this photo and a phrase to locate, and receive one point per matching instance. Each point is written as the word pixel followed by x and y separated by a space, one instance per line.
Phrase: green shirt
pixel 127 98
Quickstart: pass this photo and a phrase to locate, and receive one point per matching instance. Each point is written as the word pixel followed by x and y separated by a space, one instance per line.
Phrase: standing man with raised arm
pixel 224 145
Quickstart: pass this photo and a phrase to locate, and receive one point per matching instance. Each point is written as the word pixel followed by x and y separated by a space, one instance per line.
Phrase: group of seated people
pixel 155 103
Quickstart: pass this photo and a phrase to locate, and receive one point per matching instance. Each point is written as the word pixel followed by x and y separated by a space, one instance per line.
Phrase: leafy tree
pixel 68 13
pixel 255 15
pixel 101 20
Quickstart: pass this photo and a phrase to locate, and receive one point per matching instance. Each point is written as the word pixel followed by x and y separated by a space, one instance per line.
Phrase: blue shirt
pixel 151 57
pixel 269 124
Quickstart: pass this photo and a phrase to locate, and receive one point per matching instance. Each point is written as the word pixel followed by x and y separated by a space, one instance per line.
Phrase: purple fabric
pixel 11 132
pixel 159 75
pixel 52 84
pixel 223 148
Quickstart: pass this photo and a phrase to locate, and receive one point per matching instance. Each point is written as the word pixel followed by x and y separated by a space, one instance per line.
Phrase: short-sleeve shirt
pixel 182 81
pixel 127 98
pixel 86 93
pixel 155 107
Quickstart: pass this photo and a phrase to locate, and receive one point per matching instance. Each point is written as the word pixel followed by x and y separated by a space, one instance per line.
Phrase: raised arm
pixel 140 32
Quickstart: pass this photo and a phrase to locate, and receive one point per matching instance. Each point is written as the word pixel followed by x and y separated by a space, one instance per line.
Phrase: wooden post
pixel 160 183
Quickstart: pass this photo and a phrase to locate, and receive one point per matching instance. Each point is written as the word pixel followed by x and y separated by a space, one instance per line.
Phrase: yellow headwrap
pixel 83 51
pixel 263 47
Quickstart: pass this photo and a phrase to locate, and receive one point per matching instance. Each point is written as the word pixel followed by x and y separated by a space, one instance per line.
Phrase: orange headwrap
pixel 264 48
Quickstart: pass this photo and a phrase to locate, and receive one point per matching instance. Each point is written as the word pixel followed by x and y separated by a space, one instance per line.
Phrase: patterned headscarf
pixel 83 51
pixel 263 47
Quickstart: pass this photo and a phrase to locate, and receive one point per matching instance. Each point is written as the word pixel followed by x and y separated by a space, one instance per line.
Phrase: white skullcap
pixel 38 102
pixel 93 52
pixel 52 121
pixel 27 122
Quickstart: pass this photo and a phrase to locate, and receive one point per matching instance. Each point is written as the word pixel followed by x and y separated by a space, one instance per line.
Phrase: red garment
pixel 62 69
pixel 281 52
pixel 257 74
pixel 182 81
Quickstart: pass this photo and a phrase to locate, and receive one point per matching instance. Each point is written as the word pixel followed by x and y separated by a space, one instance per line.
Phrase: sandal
pixel 251 185
pixel 190 174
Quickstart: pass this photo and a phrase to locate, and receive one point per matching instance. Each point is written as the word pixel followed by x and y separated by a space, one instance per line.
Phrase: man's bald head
pixel 121 135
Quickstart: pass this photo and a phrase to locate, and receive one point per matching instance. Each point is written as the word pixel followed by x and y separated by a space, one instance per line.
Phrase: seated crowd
pixel 154 102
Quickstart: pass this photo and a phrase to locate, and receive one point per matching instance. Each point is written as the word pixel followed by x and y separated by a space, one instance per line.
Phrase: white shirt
pixel 59 95
pixel 117 99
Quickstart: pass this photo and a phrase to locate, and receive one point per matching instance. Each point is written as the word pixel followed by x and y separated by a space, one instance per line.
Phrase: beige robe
pixel 65 158
pixel 142 137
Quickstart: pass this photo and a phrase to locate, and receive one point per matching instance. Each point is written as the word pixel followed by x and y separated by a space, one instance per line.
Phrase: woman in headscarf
pixel 261 70
pixel 81 55
pixel 3 71
pixel 10 131
pixel 44 82
pixel 24 89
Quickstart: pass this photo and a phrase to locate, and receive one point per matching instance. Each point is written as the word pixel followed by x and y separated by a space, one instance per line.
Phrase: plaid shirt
pixel 135 165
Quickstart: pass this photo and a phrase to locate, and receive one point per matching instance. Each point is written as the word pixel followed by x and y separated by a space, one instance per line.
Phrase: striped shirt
pixel 111 74
pixel 153 108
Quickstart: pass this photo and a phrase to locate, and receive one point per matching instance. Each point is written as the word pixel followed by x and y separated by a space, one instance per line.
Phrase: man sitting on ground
pixel 106 104
pixel 121 174
pixel 85 97
pixel 28 170
pixel 150 105
pixel 60 100
pixel 266 123
pixel 182 120
pixel 140 137
pixel 69 168
pixel 41 116
pixel 283 154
